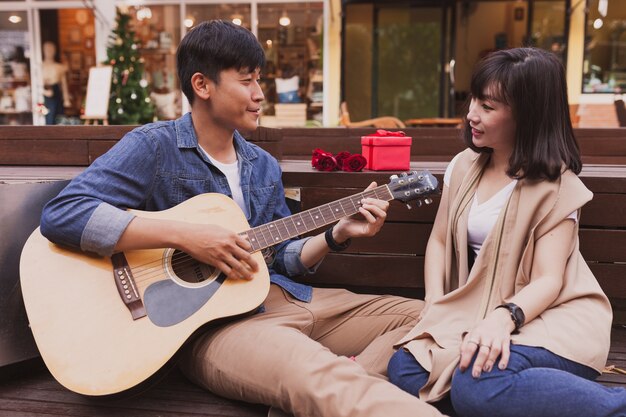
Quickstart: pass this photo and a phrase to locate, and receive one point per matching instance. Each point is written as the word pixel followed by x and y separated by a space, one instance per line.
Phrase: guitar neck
pixel 278 231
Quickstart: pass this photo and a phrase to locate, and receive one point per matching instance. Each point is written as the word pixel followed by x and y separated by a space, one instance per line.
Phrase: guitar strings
pixel 180 260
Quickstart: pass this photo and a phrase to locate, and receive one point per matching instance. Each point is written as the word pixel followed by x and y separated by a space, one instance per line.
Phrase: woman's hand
pixel 491 338
pixel 369 220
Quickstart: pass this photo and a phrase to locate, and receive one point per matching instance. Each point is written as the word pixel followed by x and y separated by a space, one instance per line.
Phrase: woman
pixel 515 323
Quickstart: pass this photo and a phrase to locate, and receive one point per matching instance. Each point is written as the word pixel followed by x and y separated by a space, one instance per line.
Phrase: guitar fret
pixel 267 235
pixel 343 203
pixel 283 229
pixel 356 206
pixel 338 203
pixel 265 242
pixel 254 243
pixel 317 216
pixel 292 229
pixel 299 223
pixel 271 228
pixel 326 213
pixel 322 214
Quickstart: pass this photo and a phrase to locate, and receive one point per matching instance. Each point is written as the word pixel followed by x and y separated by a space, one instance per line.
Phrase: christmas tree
pixel 130 101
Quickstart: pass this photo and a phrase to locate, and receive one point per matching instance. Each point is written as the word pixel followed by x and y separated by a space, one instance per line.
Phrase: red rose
pixel 325 163
pixel 317 154
pixel 354 163
pixel 340 158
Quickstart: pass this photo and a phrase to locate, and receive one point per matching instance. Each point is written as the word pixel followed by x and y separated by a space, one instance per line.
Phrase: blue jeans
pixel 536 382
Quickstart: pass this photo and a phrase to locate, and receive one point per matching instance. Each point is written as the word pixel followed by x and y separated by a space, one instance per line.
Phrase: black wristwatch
pixel 517 314
pixel 332 243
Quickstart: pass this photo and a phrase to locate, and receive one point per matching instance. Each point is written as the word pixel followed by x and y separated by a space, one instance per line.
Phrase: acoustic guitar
pixel 104 325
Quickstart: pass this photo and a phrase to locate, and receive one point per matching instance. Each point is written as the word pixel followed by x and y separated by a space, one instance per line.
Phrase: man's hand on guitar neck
pixel 207 243
pixel 367 222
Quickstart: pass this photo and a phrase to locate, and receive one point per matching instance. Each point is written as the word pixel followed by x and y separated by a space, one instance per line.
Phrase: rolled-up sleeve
pixel 293 261
pixel 104 229
pixel 91 212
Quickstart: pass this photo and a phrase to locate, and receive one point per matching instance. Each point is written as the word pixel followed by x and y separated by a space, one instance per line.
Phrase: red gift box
pixel 387 151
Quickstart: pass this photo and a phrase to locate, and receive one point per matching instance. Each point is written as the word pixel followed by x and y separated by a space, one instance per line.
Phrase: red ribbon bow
pixel 383 132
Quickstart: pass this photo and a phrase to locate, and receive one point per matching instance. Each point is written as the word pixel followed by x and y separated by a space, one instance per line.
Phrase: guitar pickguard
pixel 169 303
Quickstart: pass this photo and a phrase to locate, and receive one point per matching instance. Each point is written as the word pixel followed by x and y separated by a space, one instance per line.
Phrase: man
pixel 293 354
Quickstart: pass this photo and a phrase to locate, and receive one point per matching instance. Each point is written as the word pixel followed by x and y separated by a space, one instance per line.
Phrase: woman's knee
pixel 468 394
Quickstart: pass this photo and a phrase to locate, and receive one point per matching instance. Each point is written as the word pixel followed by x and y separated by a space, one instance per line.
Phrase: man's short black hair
pixel 214 46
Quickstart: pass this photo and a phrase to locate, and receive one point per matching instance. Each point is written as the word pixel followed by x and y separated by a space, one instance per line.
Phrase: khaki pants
pixel 295 355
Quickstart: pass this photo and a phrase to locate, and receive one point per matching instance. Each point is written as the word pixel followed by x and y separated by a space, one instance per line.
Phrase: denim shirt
pixel 156 167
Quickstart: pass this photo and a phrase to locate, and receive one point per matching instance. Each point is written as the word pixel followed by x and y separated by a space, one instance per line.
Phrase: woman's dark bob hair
pixel 532 82
pixel 214 46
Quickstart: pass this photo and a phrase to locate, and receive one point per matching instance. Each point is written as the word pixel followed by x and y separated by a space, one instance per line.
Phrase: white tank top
pixel 482 217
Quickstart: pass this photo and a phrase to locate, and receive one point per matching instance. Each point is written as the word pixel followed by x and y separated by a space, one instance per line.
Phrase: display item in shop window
pixel 166 104
pixel 55 91
pixel 19 64
pixel 6 102
pixel 287 85
pixel 165 40
pixel 22 98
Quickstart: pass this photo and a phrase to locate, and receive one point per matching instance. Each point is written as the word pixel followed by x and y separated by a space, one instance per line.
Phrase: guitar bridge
pixel 126 287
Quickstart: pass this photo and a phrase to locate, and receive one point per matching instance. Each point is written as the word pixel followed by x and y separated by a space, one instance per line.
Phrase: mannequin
pixel 55 92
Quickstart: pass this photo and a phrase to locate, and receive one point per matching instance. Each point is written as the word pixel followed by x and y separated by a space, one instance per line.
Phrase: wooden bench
pixel 392 262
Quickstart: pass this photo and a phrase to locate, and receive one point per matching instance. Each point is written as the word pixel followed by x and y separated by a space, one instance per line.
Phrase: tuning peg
pixel 419 203
pixel 404 174
pixel 393 177
pixel 408 206
pixel 428 200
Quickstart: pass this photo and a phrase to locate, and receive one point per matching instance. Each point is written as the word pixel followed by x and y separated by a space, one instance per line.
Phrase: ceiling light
pixel 284 20
pixel 15 19
pixel 237 19
pixel 144 13
pixel 188 22
pixel 597 24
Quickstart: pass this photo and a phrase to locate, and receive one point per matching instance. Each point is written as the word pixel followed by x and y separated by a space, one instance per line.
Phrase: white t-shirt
pixel 231 171
pixel 482 217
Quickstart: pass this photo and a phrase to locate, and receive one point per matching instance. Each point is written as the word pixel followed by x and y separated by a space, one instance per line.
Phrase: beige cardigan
pixel 576 326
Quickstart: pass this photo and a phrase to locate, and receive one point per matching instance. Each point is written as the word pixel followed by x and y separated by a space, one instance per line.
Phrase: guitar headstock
pixel 413 186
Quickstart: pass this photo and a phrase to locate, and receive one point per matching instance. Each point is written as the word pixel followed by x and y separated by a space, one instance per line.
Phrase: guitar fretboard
pixel 270 234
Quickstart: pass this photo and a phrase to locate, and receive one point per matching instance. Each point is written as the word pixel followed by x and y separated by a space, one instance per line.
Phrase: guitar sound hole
pixel 190 270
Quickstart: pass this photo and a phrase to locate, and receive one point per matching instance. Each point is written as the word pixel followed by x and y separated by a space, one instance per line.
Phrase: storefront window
pixel 158 30
pixel 15 85
pixel 239 14
pixel 291 34
pixel 604 67
pixel 68 51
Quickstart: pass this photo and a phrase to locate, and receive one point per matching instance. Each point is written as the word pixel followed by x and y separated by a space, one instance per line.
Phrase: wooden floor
pixel 33 392
pixel 29 390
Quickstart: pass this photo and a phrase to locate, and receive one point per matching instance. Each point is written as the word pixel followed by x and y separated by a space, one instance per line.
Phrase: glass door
pixel 397 59
pixel 411 66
